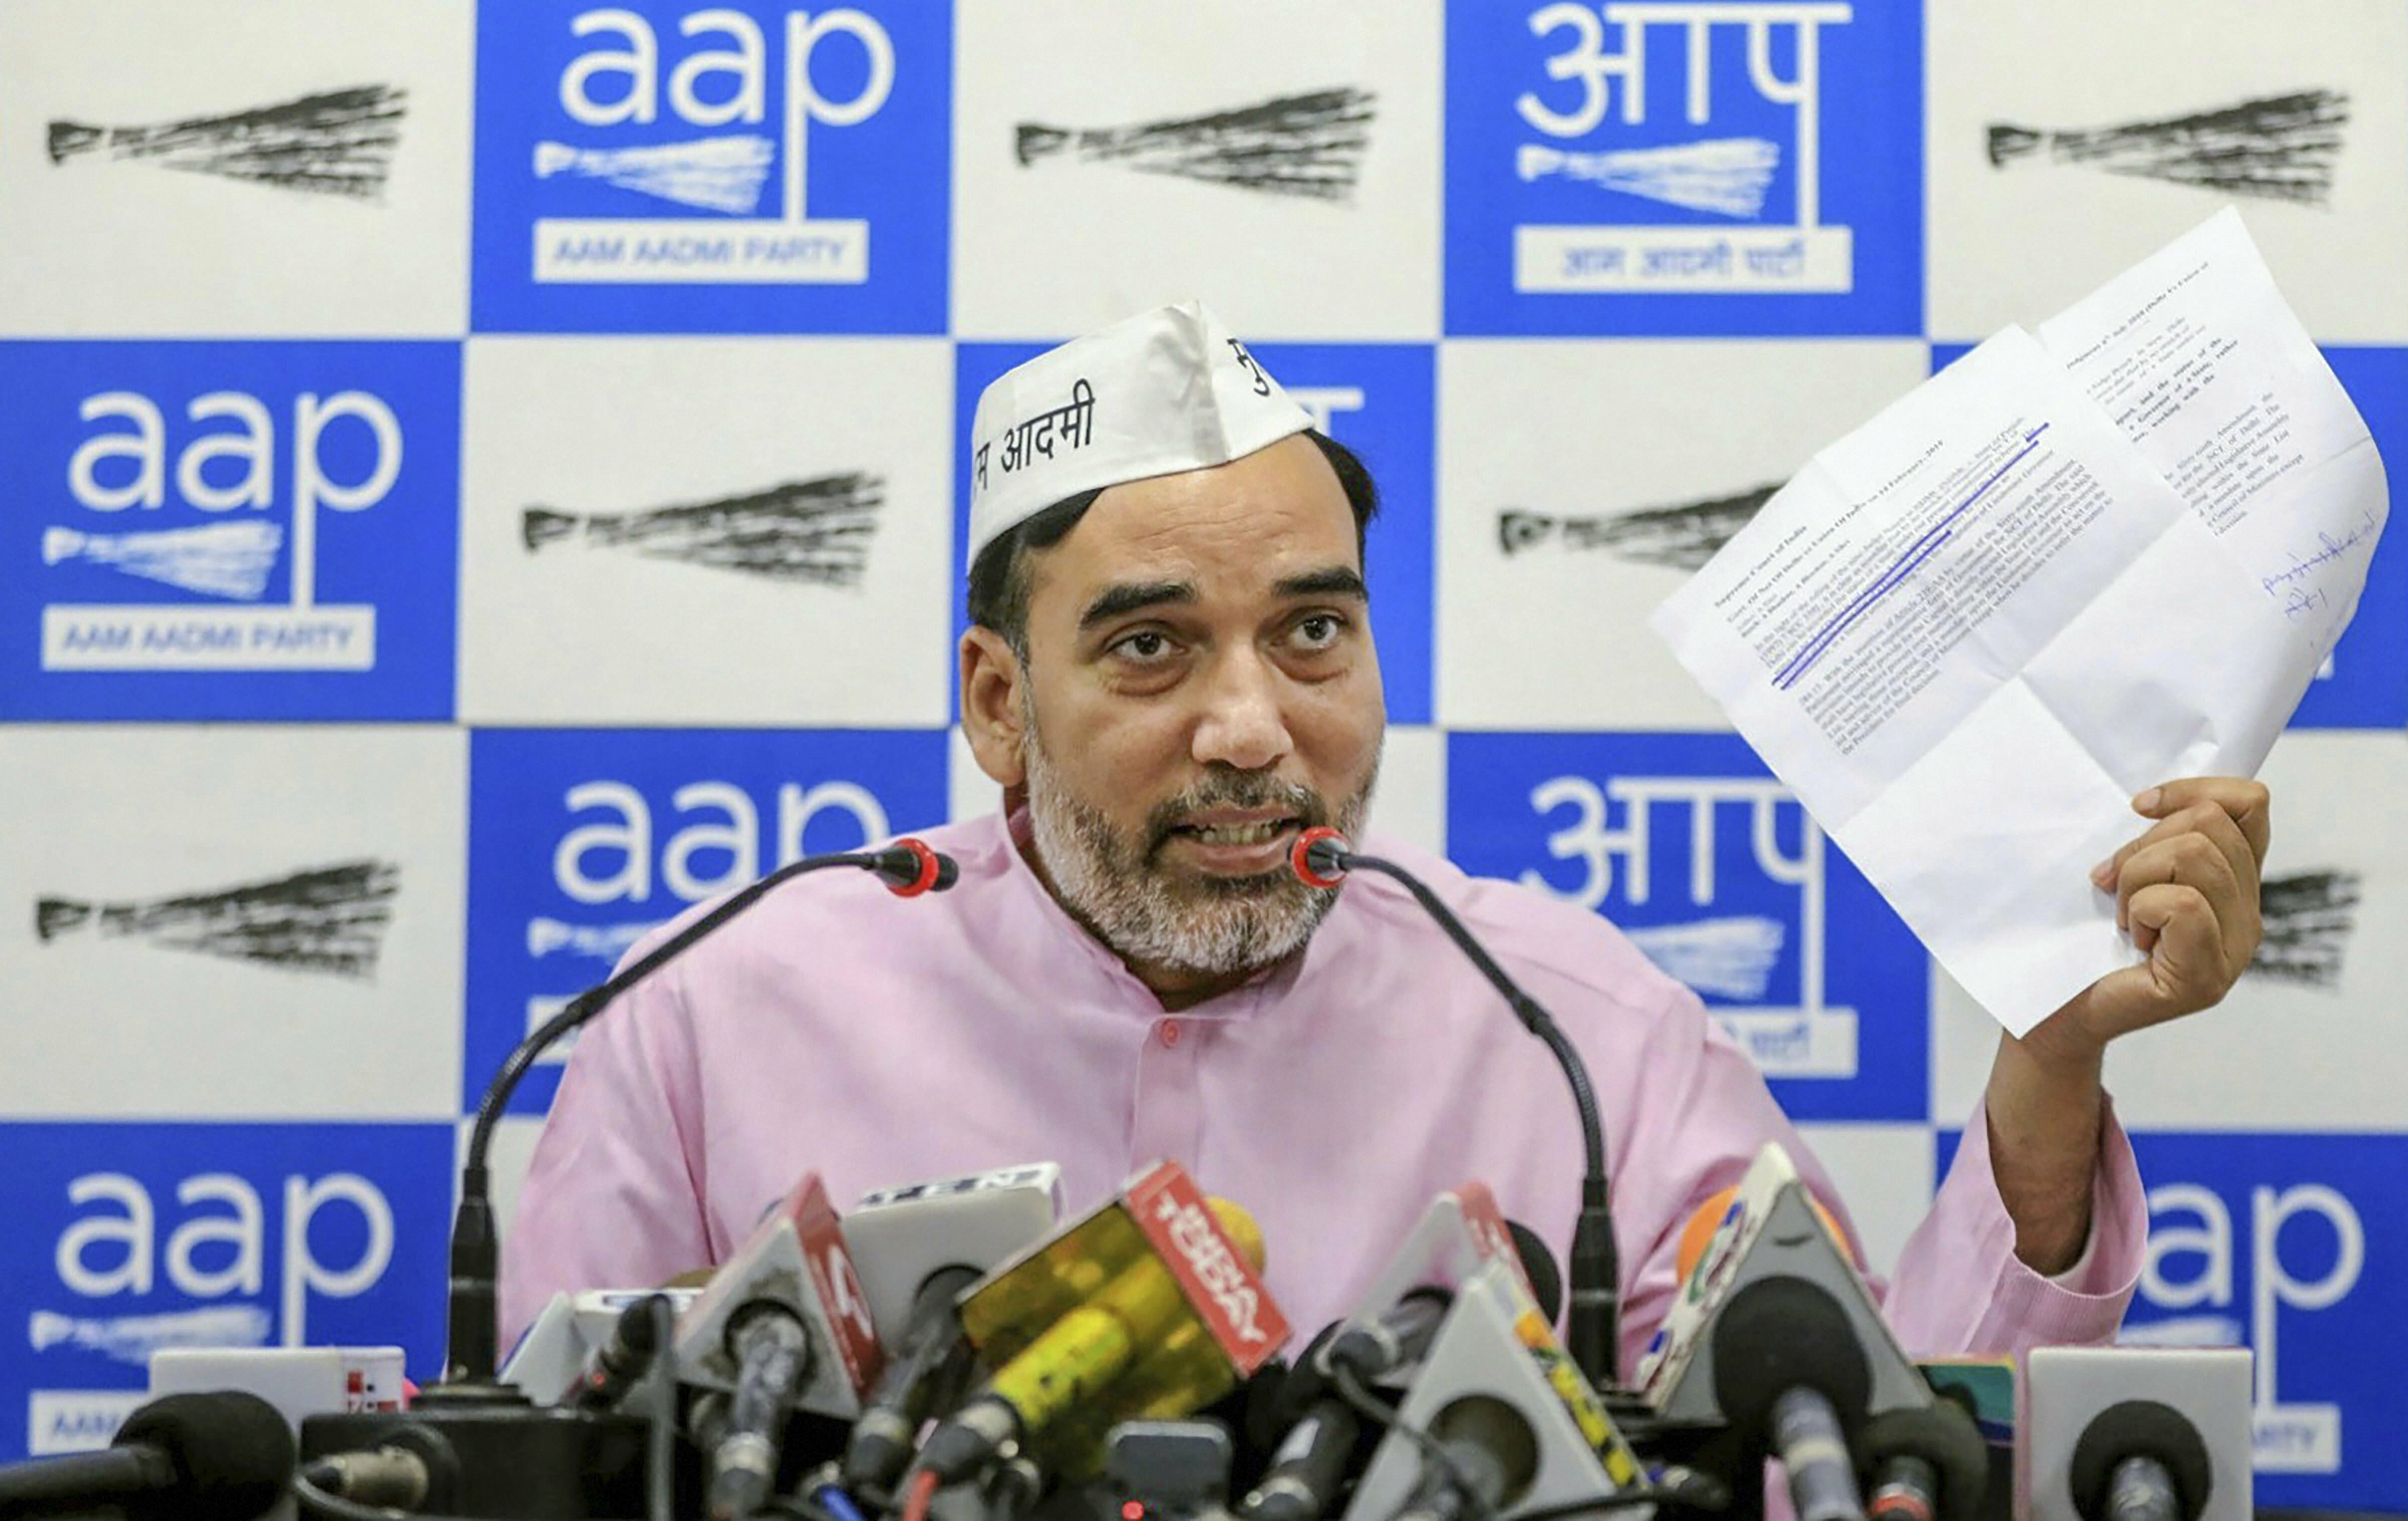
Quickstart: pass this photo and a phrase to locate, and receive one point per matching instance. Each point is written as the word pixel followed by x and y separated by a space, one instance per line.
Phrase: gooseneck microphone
pixel 908 868
pixel 1321 858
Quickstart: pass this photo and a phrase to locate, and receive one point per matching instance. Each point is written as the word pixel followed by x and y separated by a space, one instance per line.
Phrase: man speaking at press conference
pixel 1170 673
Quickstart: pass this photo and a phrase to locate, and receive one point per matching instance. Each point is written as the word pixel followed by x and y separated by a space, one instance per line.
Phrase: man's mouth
pixel 1234 842
pixel 1253 832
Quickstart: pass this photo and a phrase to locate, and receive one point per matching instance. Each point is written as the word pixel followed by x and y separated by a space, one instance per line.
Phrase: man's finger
pixel 2186 948
pixel 2205 819
pixel 2245 801
pixel 2191 860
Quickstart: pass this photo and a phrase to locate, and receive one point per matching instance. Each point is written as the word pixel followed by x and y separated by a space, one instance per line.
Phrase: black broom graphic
pixel 816 530
pixel 2276 148
pixel 1309 145
pixel 1680 537
pixel 2309 919
pixel 339 143
pixel 326 919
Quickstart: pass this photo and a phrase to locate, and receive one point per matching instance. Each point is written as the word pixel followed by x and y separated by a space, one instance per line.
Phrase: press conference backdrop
pixel 475 484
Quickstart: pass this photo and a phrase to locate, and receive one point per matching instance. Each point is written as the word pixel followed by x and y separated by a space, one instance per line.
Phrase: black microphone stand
pixel 514 1458
pixel 1592 1328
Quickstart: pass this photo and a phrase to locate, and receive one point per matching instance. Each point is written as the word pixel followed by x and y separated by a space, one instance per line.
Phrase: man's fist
pixel 2186 891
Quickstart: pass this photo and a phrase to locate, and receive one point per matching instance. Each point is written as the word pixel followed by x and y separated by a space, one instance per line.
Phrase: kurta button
pixel 1169 1028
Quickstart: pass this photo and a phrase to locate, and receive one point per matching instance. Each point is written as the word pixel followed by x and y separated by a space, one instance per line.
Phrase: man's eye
pixel 1320 630
pixel 1145 644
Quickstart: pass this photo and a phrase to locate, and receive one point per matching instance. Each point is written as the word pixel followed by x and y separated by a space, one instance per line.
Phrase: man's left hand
pixel 2186 891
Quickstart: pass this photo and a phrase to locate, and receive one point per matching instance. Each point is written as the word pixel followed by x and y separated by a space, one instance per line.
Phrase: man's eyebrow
pixel 1334 581
pixel 1130 596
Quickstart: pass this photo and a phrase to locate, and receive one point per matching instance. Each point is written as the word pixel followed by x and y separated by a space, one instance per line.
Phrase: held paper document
pixel 2066 568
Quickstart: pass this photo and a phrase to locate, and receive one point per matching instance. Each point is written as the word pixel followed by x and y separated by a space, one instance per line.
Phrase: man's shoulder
pixel 1530 933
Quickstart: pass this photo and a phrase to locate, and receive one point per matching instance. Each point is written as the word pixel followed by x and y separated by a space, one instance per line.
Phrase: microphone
pixel 1305 1472
pixel 919 1249
pixel 415 1470
pixel 782 1322
pixel 1152 1305
pixel 221 1456
pixel 1488 1455
pixel 1493 1375
pixel 621 1363
pixel 908 866
pixel 574 1333
pixel 1322 858
pixel 1775 1348
pixel 2140 1433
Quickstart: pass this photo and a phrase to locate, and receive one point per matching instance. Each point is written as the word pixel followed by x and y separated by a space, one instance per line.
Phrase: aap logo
pixel 1378 399
pixel 581 843
pixel 1715 872
pixel 2292 1245
pixel 714 168
pixel 1684 167
pixel 229 530
pixel 132 1238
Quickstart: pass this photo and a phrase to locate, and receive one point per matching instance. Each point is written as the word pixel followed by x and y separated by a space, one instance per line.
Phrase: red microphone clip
pixel 1301 856
pixel 931 865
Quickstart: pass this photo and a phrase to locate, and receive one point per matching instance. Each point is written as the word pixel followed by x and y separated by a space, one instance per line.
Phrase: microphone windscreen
pixel 1781 1333
pixel 1318 857
pixel 232 1450
pixel 2142 1428
pixel 1539 1266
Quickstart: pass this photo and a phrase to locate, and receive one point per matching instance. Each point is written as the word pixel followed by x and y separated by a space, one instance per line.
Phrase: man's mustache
pixel 1236 791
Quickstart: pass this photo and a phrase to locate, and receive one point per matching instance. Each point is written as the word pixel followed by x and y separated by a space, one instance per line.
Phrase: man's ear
pixel 992 705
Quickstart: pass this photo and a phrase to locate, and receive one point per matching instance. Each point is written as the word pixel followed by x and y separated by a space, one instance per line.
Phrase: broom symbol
pixel 816 530
pixel 712 174
pixel 1727 958
pixel 222 559
pixel 1680 537
pixel 1309 145
pixel 328 919
pixel 1724 175
pixel 339 143
pixel 2308 919
pixel 2279 148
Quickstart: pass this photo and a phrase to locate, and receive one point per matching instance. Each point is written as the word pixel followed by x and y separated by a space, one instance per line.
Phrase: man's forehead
pixel 1252 521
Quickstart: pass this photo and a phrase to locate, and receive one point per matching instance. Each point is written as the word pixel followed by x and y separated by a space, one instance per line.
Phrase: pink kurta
pixel 883 1041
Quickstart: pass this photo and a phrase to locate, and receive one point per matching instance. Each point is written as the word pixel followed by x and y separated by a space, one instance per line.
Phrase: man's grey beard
pixel 1121 890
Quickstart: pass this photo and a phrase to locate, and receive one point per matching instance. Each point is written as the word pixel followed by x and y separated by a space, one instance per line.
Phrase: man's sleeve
pixel 1701 1111
pixel 1960 1287
pixel 612 1198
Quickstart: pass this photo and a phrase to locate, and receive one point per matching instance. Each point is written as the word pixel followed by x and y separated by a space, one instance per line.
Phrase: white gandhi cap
pixel 1166 391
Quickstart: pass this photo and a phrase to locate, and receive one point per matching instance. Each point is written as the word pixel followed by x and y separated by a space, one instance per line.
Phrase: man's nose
pixel 1242 724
